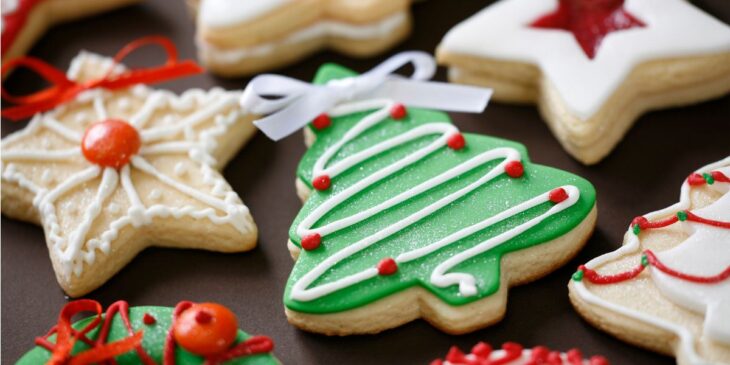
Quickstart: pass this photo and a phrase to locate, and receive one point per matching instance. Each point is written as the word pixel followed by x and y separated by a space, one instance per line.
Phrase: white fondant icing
pixel 674 28
pixel 225 13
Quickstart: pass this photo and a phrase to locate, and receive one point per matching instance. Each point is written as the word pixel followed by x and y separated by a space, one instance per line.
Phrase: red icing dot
pixel 312 241
pixel 514 169
pixel 455 356
pixel 481 350
pixel 322 121
pixel 539 353
pixel 575 356
pixel 321 182
pixel 640 221
pixel 387 266
pixel 589 21
pixel 148 319
pixel 206 329
pixel 558 195
pixel 110 143
pixel 598 360
pixel 456 141
pixel 696 179
pixel 512 347
pixel 398 111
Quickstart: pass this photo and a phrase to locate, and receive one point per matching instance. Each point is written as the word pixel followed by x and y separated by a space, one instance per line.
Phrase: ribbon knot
pixel 291 104
pixel 63 90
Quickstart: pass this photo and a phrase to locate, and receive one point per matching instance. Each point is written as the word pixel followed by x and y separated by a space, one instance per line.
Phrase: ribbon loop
pixel 291 104
pixel 63 90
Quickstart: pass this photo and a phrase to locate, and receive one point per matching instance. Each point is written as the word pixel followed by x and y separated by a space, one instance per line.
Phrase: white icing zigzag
pixel 440 277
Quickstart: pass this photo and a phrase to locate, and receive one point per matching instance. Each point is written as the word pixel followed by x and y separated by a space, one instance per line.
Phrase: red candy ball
pixel 311 242
pixel 110 143
pixel 456 141
pixel 398 111
pixel 514 169
pixel 322 121
pixel 387 266
pixel 321 182
pixel 206 329
pixel 558 195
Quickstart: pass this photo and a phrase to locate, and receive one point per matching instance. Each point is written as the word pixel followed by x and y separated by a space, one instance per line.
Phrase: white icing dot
pixel 124 104
pixel 180 169
pixel 113 208
pixel 155 194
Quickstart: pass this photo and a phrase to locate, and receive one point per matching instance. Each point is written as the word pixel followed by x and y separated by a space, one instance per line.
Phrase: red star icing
pixel 589 21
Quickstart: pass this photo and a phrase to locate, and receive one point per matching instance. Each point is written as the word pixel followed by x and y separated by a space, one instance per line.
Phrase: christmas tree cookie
pixel 592 66
pixel 407 217
pixel 110 170
pixel 668 288
pixel 191 333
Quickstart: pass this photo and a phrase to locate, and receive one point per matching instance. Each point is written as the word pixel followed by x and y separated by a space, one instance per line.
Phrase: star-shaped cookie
pixel 24 21
pixel 593 67
pixel 245 37
pixel 113 172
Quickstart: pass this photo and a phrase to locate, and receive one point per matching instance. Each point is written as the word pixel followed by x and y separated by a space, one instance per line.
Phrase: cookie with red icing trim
pixel 108 173
pixel 593 67
pixel 245 37
pixel 514 354
pixel 668 287
pixel 24 21
pixel 190 333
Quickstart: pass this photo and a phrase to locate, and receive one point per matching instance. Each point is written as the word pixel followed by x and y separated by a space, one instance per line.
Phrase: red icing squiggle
pixel 13 22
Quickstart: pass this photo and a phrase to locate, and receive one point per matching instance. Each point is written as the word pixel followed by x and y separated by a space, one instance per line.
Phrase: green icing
pixel 486 201
pixel 153 342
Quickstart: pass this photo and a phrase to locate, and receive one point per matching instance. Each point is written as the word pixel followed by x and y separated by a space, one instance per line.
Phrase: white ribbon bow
pixel 299 102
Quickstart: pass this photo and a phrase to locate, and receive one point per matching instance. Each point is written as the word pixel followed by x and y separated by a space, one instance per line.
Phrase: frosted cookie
pixel 668 288
pixel 407 217
pixel 191 333
pixel 24 21
pixel 108 173
pixel 238 38
pixel 514 354
pixel 593 67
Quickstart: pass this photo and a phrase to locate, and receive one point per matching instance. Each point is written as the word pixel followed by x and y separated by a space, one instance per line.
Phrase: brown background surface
pixel 643 174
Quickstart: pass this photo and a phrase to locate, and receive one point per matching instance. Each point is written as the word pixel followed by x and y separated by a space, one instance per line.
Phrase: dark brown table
pixel 643 174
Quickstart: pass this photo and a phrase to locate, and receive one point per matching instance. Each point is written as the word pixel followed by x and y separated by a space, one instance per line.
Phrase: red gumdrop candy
pixel 110 143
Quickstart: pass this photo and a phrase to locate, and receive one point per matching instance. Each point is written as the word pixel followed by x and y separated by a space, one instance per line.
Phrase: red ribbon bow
pixel 63 90
pixel 67 336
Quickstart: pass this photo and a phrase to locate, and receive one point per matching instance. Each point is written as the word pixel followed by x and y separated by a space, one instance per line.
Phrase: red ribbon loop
pixel 63 90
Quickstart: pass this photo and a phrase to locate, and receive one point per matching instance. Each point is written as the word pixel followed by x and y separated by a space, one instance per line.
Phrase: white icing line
pixel 67 133
pixel 40 155
pixel 302 291
pixel 168 147
pixel 687 339
pixel 99 107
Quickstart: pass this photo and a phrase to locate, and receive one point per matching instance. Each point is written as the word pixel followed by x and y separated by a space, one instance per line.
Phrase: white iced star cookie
pixel 24 21
pixel 237 37
pixel 113 172
pixel 668 287
pixel 592 67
